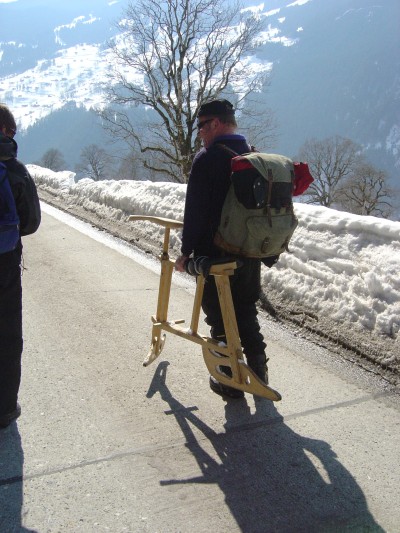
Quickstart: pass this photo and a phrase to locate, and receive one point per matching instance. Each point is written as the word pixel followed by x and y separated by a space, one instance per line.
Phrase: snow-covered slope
pixel 66 62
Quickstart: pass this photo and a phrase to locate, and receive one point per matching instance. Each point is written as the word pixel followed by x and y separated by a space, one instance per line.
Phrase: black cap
pixel 216 108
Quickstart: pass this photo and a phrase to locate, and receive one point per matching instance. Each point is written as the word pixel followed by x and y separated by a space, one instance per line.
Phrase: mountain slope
pixel 335 71
pixel 341 77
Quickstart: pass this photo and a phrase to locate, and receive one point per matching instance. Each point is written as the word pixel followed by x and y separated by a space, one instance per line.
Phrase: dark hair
pixel 7 119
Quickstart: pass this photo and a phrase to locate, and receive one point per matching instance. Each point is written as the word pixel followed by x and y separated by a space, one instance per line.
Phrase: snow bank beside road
pixel 344 267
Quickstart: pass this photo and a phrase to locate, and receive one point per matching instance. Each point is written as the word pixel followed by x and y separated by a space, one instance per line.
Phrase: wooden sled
pixel 215 354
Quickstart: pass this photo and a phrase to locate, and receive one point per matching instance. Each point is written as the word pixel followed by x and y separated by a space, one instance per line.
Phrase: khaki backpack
pixel 257 218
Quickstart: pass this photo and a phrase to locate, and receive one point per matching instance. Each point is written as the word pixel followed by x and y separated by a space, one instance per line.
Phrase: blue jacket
pixel 207 188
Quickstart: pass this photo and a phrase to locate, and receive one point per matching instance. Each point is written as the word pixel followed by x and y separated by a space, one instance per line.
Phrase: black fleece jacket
pixel 25 195
pixel 207 188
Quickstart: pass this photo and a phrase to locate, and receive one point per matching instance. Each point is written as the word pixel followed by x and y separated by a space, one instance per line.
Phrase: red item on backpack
pixel 302 178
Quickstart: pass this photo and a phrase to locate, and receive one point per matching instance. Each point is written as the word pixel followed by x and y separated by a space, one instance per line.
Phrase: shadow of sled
pixel 273 479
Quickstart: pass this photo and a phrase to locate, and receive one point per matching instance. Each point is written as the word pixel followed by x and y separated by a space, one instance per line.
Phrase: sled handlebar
pixel 161 221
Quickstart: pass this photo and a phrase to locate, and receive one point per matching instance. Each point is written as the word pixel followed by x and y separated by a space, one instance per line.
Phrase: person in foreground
pixel 207 188
pixel 28 209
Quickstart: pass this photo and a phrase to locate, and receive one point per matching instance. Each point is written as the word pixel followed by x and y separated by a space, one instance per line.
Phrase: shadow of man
pixel 273 479
pixel 11 481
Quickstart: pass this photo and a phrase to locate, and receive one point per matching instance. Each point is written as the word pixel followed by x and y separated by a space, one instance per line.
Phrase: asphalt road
pixel 104 444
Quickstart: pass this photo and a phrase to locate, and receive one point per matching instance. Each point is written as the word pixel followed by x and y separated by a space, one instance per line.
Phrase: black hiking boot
pixel 5 420
pixel 225 390
pixel 260 369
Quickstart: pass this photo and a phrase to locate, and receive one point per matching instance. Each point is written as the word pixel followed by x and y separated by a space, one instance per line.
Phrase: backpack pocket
pixel 268 238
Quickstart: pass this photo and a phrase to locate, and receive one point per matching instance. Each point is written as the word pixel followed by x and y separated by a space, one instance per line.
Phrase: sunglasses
pixel 201 125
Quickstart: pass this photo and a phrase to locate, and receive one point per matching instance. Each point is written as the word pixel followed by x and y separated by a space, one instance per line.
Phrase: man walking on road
pixel 28 208
pixel 208 185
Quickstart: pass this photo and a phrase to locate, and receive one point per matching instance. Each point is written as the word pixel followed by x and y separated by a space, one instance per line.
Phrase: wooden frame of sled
pixel 215 354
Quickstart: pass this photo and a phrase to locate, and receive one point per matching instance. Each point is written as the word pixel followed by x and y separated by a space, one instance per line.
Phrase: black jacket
pixel 207 188
pixel 25 195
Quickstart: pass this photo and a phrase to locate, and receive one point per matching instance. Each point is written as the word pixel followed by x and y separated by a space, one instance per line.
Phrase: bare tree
pixel 257 121
pixel 331 161
pixel 170 58
pixel 53 159
pixel 94 163
pixel 129 168
pixel 366 192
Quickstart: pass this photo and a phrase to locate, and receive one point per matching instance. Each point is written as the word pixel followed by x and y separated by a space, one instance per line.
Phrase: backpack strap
pixel 3 170
pixel 227 149
pixel 232 152
pixel 270 183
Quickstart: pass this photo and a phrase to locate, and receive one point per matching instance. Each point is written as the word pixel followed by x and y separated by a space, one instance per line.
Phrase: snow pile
pixel 342 269
pixel 53 181
pixel 116 199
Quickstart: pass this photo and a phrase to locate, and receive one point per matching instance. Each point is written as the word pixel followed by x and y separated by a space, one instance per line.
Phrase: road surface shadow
pixel 273 479
pixel 11 481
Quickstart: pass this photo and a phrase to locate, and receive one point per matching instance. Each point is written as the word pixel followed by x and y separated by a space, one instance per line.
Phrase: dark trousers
pixel 245 288
pixel 10 336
